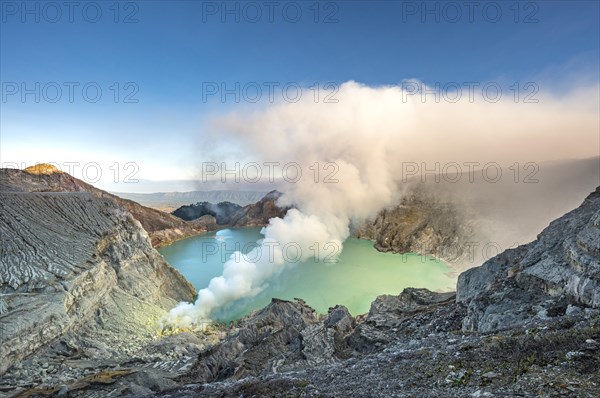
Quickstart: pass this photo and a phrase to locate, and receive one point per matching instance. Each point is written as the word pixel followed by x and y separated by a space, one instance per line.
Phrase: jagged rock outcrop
pixel 163 228
pixel 259 213
pixel 222 211
pixel 208 221
pixel 288 335
pixel 227 213
pixel 65 256
pixel 270 338
pixel 282 336
pixel 561 267
pixel 424 224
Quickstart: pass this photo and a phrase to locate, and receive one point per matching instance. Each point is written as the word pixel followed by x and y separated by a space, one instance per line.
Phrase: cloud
pixel 360 145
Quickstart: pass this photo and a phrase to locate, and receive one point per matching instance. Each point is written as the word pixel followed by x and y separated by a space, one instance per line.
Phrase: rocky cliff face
pixel 163 228
pixel 259 213
pixel 560 268
pixel 425 224
pixel 65 258
pixel 222 211
pixel 227 213
pixel 467 220
pixel 288 336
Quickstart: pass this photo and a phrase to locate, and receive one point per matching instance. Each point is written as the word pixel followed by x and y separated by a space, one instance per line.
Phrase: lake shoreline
pixel 353 281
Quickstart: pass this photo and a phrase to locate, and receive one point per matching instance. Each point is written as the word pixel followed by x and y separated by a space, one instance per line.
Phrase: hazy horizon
pixel 172 99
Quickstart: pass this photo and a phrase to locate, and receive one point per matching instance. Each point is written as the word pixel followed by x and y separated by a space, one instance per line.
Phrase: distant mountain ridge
pixel 173 200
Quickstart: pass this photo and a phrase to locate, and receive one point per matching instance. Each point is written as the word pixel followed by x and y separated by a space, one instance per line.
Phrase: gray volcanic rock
pixel 386 308
pixel 270 338
pixel 441 363
pixel 208 221
pixel 64 258
pixel 426 224
pixel 259 213
pixel 286 336
pixel 222 211
pixel 227 213
pixel 561 267
pixel 163 228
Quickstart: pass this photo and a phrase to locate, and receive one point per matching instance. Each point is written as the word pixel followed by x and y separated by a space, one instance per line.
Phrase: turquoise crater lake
pixel 359 276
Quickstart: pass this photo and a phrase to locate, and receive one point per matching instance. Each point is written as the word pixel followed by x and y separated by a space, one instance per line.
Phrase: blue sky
pixel 168 50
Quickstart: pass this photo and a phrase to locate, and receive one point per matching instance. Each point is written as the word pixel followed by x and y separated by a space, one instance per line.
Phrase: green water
pixel 361 273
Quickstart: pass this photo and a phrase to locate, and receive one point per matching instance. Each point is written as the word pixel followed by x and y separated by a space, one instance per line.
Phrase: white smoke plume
pixel 292 238
pixel 368 135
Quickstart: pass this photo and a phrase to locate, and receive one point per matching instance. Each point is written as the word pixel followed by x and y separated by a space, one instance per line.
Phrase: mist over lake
pixel 360 274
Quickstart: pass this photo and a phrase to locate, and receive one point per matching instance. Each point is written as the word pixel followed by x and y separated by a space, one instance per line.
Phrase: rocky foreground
pixel 526 323
pixel 82 290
